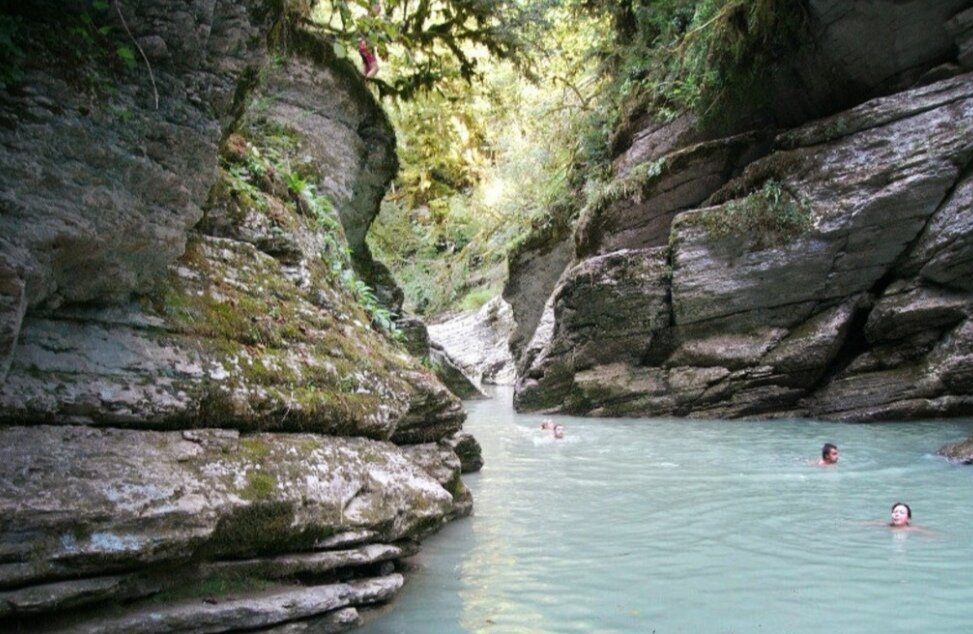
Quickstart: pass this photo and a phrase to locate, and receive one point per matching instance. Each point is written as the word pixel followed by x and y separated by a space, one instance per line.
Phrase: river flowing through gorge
pixel 666 526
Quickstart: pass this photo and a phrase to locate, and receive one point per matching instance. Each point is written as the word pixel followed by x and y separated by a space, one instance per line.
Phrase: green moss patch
pixel 771 216
pixel 215 586
pixel 260 486
pixel 262 528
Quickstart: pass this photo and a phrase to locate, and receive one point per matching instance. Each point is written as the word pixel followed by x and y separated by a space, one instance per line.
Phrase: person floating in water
pixel 901 515
pixel 901 520
pixel 829 455
pixel 547 424
pixel 556 430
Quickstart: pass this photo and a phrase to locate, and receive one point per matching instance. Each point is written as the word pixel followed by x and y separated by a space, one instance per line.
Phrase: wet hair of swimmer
pixel 827 447
pixel 908 511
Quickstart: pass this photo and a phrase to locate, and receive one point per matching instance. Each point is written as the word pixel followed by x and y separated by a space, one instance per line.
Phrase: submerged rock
pixel 958 451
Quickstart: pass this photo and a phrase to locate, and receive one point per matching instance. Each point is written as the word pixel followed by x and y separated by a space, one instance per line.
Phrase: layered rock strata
pixel 207 424
pixel 816 272
pixel 478 342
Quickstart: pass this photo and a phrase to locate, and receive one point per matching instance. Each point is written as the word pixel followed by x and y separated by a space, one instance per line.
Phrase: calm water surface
pixel 650 525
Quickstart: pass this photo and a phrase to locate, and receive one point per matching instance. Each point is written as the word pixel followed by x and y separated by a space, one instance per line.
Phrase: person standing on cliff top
pixel 369 61
pixel 368 58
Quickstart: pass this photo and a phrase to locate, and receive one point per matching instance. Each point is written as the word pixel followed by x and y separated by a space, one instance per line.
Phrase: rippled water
pixel 641 525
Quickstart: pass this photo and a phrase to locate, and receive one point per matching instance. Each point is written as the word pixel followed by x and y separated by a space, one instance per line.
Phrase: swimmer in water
pixel 548 424
pixel 558 431
pixel 901 515
pixel 901 520
pixel 829 455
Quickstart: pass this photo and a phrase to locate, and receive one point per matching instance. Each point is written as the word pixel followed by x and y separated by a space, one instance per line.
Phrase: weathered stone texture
pixel 164 496
pixel 636 212
pixel 533 272
pixel 122 316
pixel 608 308
pixel 959 451
pixel 861 50
pixel 861 315
pixel 943 254
pixel 85 502
pixel 253 610
pixel 477 341
pixel 960 27
pixel 96 220
pixel 213 354
pixel 346 140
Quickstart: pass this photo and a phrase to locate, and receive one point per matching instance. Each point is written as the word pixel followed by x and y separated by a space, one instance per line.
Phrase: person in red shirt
pixel 369 61
pixel 368 58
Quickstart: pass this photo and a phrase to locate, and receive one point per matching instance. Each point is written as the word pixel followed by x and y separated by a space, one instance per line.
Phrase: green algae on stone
pixel 257 528
pixel 771 215
pixel 260 486
pixel 211 586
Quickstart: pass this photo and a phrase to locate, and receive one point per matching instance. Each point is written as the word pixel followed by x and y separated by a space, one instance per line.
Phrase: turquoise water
pixel 643 525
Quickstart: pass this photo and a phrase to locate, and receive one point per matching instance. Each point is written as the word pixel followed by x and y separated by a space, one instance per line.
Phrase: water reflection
pixel 638 525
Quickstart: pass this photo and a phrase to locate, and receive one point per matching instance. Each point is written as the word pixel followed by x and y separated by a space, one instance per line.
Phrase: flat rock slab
pixel 87 502
pixel 246 612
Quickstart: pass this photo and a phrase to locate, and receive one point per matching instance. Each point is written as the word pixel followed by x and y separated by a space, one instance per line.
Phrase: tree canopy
pixel 434 40
pixel 527 145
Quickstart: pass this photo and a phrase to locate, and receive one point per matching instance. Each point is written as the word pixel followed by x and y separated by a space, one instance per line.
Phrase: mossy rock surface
pixel 123 500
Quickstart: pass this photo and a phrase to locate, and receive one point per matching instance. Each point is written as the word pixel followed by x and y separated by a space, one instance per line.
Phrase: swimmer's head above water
pixel 901 515
pixel 829 454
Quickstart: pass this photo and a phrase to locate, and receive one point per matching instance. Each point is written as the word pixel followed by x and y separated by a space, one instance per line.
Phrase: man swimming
pixel 829 455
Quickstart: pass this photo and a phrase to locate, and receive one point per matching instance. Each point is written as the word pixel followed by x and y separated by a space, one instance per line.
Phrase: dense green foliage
pixel 84 43
pixel 482 162
pixel 433 40
pixel 710 57
pixel 489 164
pixel 507 112
pixel 268 166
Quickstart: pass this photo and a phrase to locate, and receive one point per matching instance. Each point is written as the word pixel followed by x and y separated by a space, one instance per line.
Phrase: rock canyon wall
pixel 814 265
pixel 195 398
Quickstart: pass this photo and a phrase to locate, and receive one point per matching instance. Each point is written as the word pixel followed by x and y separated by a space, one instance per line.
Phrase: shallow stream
pixel 666 526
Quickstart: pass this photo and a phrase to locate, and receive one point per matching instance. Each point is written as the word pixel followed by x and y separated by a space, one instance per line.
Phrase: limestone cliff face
pixel 193 390
pixel 118 180
pixel 817 271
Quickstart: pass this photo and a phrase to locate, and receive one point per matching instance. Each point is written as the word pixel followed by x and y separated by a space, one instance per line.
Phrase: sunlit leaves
pixel 482 162
pixel 432 40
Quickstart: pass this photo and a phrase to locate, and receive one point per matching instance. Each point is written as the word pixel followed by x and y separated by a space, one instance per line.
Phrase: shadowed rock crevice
pixel 853 344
